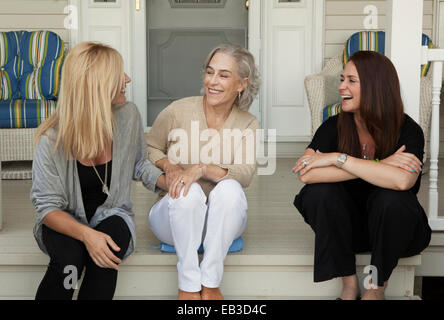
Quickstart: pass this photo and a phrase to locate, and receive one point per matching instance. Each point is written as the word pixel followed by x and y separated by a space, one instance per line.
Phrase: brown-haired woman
pixel 356 205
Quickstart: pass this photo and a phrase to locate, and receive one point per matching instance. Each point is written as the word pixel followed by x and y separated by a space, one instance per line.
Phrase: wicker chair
pixel 30 69
pixel 322 88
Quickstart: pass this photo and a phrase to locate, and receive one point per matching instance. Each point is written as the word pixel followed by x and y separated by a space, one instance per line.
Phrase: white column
pixel 403 47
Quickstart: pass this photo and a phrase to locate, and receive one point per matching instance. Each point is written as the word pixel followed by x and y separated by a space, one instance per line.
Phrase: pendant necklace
pixel 104 184
pixel 364 147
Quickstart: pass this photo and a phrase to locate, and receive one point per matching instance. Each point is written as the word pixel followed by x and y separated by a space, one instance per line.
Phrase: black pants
pixel 354 217
pixel 98 283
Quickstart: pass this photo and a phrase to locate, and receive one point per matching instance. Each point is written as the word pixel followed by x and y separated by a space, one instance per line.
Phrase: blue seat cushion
pixel 236 246
pixel 25 113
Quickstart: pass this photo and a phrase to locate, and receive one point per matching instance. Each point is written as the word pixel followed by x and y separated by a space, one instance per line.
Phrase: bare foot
pixel 350 288
pixel 211 294
pixel 375 294
pixel 183 295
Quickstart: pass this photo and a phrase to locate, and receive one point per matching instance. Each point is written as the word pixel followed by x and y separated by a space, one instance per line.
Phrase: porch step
pixel 154 276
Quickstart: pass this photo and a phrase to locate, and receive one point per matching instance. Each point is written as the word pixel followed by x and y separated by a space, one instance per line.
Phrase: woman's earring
pixel 239 96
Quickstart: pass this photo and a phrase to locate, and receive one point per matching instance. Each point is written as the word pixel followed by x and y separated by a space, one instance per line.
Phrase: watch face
pixel 341 160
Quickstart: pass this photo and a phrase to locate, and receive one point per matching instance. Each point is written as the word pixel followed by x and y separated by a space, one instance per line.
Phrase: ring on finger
pixel 304 163
pixel 182 182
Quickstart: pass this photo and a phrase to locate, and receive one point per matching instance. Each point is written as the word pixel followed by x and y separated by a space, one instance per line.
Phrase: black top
pixel 91 187
pixel 326 140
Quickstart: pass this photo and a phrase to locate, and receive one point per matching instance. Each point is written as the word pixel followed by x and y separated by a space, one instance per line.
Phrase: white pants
pixel 189 221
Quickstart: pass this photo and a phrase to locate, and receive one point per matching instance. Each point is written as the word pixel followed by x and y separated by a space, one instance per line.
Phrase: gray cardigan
pixel 55 182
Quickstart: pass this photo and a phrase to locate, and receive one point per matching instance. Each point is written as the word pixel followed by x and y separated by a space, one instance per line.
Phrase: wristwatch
pixel 341 160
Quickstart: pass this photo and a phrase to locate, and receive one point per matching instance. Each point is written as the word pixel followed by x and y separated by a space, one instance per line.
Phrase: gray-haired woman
pixel 191 141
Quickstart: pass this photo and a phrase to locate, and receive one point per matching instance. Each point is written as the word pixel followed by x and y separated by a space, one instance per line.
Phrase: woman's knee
pixel 193 204
pixel 194 198
pixel 390 201
pixel 116 227
pixel 230 193
pixel 395 208
pixel 63 250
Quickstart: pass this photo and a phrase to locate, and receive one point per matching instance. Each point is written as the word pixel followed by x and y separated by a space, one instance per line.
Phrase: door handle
pixel 137 5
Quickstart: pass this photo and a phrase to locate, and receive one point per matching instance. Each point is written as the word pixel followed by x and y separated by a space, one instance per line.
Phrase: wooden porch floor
pixel 274 225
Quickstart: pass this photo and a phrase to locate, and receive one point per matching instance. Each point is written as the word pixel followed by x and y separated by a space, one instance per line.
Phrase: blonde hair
pixel 246 68
pixel 92 77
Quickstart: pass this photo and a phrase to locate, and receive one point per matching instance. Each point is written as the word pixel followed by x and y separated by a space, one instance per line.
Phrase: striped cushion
pixel 375 41
pixel 42 54
pixel 426 41
pixel 331 110
pixel 364 41
pixel 25 113
pixel 9 60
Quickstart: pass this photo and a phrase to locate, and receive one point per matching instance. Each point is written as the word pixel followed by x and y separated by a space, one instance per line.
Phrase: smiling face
pixel 350 88
pixel 120 98
pixel 221 82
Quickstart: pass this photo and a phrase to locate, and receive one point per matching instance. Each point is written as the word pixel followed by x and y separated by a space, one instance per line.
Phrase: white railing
pixel 436 56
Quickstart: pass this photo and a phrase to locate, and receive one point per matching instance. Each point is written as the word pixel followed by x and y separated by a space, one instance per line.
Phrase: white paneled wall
pixel 34 15
pixel 345 17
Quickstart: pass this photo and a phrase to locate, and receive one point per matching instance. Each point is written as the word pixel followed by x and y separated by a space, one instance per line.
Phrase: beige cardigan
pixel 186 119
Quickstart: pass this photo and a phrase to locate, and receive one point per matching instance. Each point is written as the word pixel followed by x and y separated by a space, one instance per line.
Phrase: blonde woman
pixel 85 157
pixel 206 202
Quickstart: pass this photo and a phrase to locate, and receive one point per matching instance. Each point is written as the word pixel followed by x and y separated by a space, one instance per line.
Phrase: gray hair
pixel 246 68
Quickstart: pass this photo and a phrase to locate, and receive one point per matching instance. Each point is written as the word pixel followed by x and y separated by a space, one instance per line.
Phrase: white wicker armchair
pixel 32 63
pixel 322 90
pixel 15 145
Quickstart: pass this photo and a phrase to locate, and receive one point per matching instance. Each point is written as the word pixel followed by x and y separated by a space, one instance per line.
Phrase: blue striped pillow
pixel 42 54
pixel 331 110
pixel 9 60
pixel 375 41
pixel 25 113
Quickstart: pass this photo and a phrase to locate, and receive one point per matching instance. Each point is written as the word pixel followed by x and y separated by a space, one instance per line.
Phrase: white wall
pixel 33 15
pixel 345 17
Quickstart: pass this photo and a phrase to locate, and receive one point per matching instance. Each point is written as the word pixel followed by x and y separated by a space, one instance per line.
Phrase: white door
pixel 106 21
pixel 292 51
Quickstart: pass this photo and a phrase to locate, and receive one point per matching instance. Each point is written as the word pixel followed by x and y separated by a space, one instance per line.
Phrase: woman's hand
pixel 315 160
pixel 186 179
pixel 97 243
pixel 172 172
pixel 404 160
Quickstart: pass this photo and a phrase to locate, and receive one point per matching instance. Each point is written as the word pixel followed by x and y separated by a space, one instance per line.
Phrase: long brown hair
pixel 381 106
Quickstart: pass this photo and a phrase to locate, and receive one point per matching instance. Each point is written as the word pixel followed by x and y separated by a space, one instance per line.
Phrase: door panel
pixel 107 22
pixel 288 59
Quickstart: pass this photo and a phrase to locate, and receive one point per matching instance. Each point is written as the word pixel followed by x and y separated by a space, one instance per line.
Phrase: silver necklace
pixel 365 157
pixel 104 184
